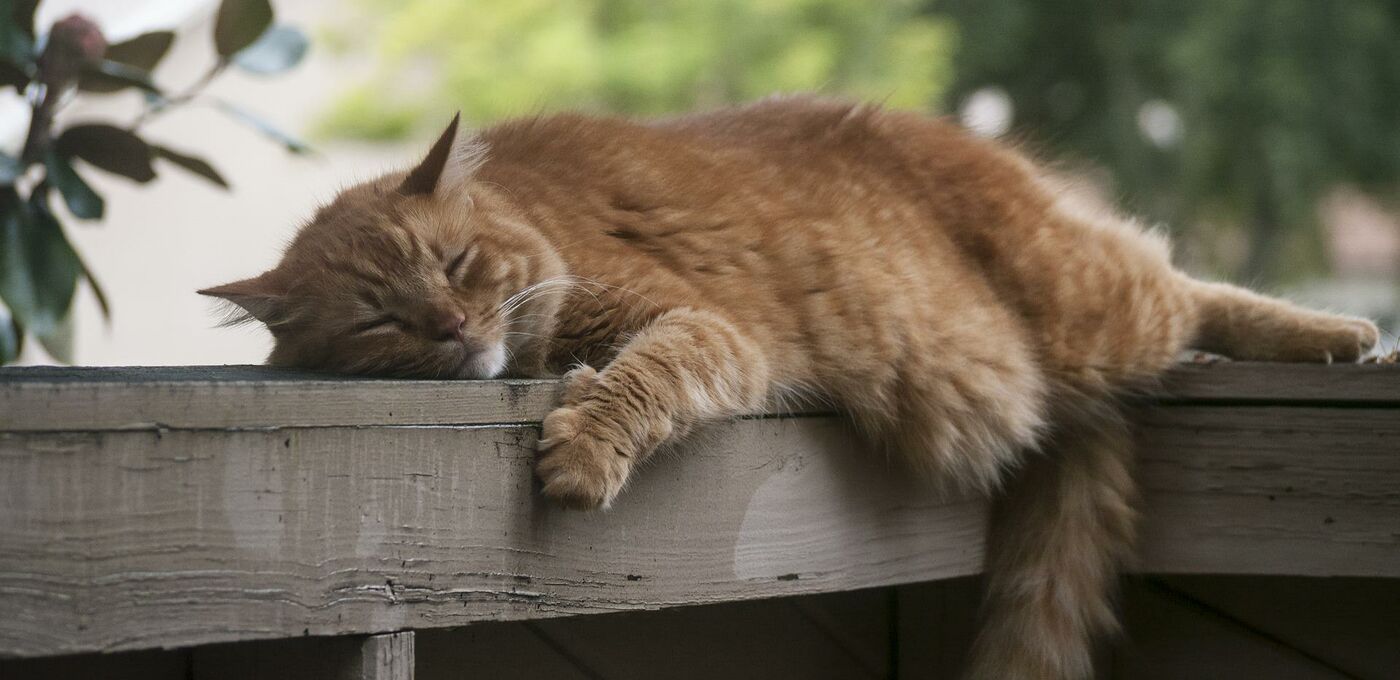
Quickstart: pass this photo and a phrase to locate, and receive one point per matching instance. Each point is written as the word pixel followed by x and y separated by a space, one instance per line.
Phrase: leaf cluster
pixel 39 268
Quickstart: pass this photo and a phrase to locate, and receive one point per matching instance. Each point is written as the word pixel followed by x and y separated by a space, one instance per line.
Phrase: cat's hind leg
pixel 1241 324
pixel 965 402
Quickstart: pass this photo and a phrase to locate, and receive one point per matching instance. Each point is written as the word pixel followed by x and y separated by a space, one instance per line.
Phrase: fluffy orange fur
pixel 969 314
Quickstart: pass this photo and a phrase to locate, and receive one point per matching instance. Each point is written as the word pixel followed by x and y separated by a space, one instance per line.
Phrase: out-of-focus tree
pixel 1237 113
pixel 497 58
pixel 1230 119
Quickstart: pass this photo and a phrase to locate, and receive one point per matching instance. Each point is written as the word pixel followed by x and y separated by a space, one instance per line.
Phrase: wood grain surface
pixel 220 505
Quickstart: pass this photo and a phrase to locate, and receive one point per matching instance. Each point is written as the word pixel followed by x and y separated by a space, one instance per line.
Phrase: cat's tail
pixel 1058 536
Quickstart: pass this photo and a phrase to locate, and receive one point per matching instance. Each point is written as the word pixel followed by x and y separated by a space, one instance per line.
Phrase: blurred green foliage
pixel 1267 104
pixel 499 58
pixel 1278 102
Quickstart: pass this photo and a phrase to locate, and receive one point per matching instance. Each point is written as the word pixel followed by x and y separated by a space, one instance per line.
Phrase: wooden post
pixel 386 657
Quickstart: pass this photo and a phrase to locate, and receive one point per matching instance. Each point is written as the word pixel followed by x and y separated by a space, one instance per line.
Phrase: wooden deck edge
pixel 41 399
pixel 347 525
pixel 1228 382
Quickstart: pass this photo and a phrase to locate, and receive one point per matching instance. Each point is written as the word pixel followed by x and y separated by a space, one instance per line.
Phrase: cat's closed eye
pixel 455 265
pixel 386 322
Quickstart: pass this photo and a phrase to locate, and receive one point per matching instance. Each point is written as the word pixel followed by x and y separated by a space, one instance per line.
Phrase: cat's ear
pixel 450 162
pixel 262 296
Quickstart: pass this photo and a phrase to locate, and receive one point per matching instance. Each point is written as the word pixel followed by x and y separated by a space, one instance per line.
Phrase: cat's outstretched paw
pixel 1335 339
pixel 582 463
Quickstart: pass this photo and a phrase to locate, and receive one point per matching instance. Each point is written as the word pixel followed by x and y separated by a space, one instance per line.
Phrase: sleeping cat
pixel 967 313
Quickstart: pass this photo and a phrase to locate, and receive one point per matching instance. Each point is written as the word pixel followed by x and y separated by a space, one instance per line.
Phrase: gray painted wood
pixel 218 397
pixel 265 507
pixel 1270 490
pixel 210 399
pixel 1228 382
pixel 220 536
pixel 386 657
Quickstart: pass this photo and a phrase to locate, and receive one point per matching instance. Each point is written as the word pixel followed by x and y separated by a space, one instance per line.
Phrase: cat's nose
pixel 450 326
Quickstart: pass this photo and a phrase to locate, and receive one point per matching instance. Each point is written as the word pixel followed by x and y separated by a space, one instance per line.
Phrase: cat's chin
pixel 484 365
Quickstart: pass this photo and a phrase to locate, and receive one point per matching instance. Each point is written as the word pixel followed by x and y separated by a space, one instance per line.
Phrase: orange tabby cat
pixel 969 315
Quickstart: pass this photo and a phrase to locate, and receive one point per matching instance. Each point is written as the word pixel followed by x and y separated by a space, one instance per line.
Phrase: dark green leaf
pixel 11 337
pixel 278 50
pixel 22 13
pixel 291 143
pixel 144 51
pixel 13 76
pixel 17 31
pixel 81 200
pixel 193 164
pixel 58 341
pixel 239 24
pixel 97 291
pixel 15 47
pixel 17 57
pixel 38 268
pixel 108 147
pixel 10 168
pixel 112 76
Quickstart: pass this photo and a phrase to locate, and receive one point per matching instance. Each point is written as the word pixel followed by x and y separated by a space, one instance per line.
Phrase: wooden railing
pixel 173 507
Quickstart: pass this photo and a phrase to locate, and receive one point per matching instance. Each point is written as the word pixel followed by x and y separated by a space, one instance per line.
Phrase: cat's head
pixel 406 275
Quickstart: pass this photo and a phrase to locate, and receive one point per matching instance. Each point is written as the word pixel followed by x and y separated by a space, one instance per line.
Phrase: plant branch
pixel 36 141
pixel 194 90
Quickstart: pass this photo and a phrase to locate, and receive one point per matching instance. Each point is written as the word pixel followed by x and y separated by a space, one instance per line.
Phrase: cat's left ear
pixel 262 296
pixel 450 162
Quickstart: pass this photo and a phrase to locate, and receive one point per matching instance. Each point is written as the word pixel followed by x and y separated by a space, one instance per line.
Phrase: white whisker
pixel 533 291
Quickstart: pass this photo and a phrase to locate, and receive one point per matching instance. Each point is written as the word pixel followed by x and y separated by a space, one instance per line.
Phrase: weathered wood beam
pixel 181 507
pixel 219 397
pixel 1271 490
pixel 215 535
pixel 1228 382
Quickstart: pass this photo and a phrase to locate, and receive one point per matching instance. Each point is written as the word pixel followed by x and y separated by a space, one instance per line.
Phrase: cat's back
pixel 791 216
pixel 782 122
pixel 766 139
pixel 777 180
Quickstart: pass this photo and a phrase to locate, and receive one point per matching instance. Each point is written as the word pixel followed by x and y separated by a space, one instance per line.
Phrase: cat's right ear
pixel 262 296
pixel 450 162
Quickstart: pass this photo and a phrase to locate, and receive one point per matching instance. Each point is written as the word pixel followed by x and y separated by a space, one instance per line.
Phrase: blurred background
pixel 1264 134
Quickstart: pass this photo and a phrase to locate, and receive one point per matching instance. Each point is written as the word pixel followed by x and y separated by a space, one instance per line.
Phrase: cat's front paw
pixel 582 463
